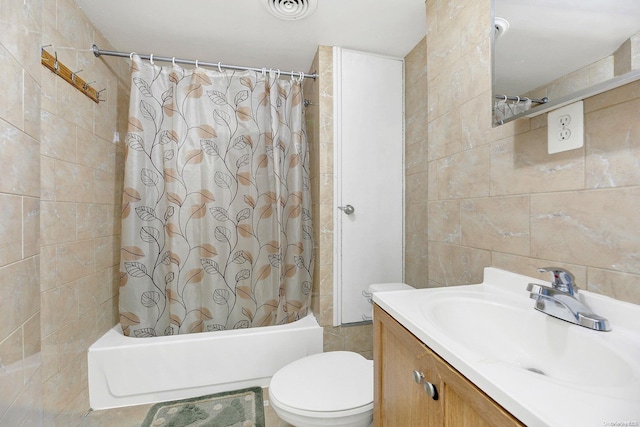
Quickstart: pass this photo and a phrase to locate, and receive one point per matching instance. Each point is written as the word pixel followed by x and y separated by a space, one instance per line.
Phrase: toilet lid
pixel 332 381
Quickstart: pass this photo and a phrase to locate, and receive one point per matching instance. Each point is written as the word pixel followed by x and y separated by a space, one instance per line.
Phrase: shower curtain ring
pixel 518 100
pixel 264 71
pixel 301 76
pixel 278 75
pixel 505 98
pixel 196 63
pixel 151 59
pixel 131 55
pixel 219 69
pixel 173 61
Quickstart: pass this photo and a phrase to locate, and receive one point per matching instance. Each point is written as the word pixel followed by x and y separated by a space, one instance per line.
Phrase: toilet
pixel 328 389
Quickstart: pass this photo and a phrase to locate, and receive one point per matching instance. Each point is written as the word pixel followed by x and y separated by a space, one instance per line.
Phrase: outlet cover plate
pixel 566 128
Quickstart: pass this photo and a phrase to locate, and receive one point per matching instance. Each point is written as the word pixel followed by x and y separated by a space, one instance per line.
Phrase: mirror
pixel 549 53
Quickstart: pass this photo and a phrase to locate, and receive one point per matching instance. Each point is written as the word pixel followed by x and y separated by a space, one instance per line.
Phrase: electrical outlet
pixel 564 120
pixel 565 134
pixel 566 128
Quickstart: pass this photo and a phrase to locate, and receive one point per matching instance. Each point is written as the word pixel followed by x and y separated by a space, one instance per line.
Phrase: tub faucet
pixel 561 300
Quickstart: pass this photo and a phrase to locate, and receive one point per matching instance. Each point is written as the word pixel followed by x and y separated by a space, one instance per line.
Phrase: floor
pixel 134 415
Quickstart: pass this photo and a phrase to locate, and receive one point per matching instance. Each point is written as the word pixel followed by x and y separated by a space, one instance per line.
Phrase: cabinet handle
pixel 418 377
pixel 431 390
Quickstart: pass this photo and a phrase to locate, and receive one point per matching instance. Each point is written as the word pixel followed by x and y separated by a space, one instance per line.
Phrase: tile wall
pixel 494 197
pixel 20 361
pixel 59 222
pixel 81 174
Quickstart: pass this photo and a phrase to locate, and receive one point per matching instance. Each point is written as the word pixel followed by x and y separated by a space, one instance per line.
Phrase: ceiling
pixel 546 38
pixel 243 32
pixel 550 38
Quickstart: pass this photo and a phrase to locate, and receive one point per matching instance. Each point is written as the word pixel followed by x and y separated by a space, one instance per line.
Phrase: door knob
pixel 347 209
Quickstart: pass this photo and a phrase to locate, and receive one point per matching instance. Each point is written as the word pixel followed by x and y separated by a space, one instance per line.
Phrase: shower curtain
pixel 216 222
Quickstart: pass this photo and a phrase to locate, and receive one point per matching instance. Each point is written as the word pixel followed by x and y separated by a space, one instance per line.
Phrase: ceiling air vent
pixel 291 9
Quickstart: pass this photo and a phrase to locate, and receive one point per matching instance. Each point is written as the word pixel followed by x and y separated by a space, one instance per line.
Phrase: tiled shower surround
pixel 59 222
pixel 475 196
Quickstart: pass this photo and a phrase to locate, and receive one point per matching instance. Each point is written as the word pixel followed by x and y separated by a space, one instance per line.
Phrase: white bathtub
pixel 125 371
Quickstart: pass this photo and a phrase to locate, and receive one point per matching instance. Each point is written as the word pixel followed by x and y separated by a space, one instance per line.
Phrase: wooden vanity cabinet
pixel 399 398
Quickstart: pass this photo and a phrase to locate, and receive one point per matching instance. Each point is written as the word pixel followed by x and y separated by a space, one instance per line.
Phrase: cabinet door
pixel 464 404
pixel 398 399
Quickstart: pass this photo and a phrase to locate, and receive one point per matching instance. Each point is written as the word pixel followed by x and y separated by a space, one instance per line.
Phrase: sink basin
pixel 543 370
pixel 502 329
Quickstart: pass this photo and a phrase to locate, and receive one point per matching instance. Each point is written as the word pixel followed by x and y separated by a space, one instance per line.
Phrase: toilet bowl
pixel 326 389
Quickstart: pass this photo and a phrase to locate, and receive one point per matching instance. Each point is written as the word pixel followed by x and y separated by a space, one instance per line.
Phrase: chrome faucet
pixel 561 300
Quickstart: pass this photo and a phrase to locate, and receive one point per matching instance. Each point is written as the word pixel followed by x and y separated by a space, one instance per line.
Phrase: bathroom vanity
pixel 408 376
pixel 486 355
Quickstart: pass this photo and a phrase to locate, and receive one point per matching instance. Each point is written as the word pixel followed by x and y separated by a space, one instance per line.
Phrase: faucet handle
pixel 561 279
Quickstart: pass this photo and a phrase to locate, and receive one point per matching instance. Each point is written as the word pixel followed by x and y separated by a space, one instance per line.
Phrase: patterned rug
pixel 241 408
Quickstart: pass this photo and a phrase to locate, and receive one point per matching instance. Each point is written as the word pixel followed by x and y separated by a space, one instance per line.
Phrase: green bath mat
pixel 241 408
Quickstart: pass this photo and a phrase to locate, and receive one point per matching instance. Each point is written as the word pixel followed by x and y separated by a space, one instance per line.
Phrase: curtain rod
pixel 522 99
pixel 98 52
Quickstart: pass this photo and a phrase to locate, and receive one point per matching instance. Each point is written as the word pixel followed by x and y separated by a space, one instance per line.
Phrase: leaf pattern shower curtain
pixel 216 225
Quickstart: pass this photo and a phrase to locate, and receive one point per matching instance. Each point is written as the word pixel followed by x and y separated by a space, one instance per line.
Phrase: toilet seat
pixel 336 383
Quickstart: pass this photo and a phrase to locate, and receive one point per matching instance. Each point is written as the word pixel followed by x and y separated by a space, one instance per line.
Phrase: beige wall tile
pixel 21 156
pixel 11 89
pixel 107 252
pixel 579 227
pixel 47 179
pixel 59 307
pixel 47 267
pixel 521 165
pixel 18 284
pixel 58 222
pixel 444 135
pixel 31 337
pixel 451 265
pixel 74 260
pixel 73 183
pixel 416 220
pixel 94 220
pixel 92 291
pixel 613 153
pixel 12 376
pixel 529 266
pixel 58 137
pixel 444 222
pixel 465 174
pixel 31 107
pixel 416 276
pixel 27 408
pixel 415 64
pixel 416 154
pixel 30 226
pixel 416 124
pixel 496 223
pixel 416 186
pixel 617 285
pixel 67 382
pixel 612 97
pixel 10 229
pixel 416 250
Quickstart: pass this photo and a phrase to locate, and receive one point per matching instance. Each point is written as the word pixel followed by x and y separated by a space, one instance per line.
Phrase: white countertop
pixel 605 386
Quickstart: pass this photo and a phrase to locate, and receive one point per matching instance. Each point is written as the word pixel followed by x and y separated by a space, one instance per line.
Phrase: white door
pixel 369 151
